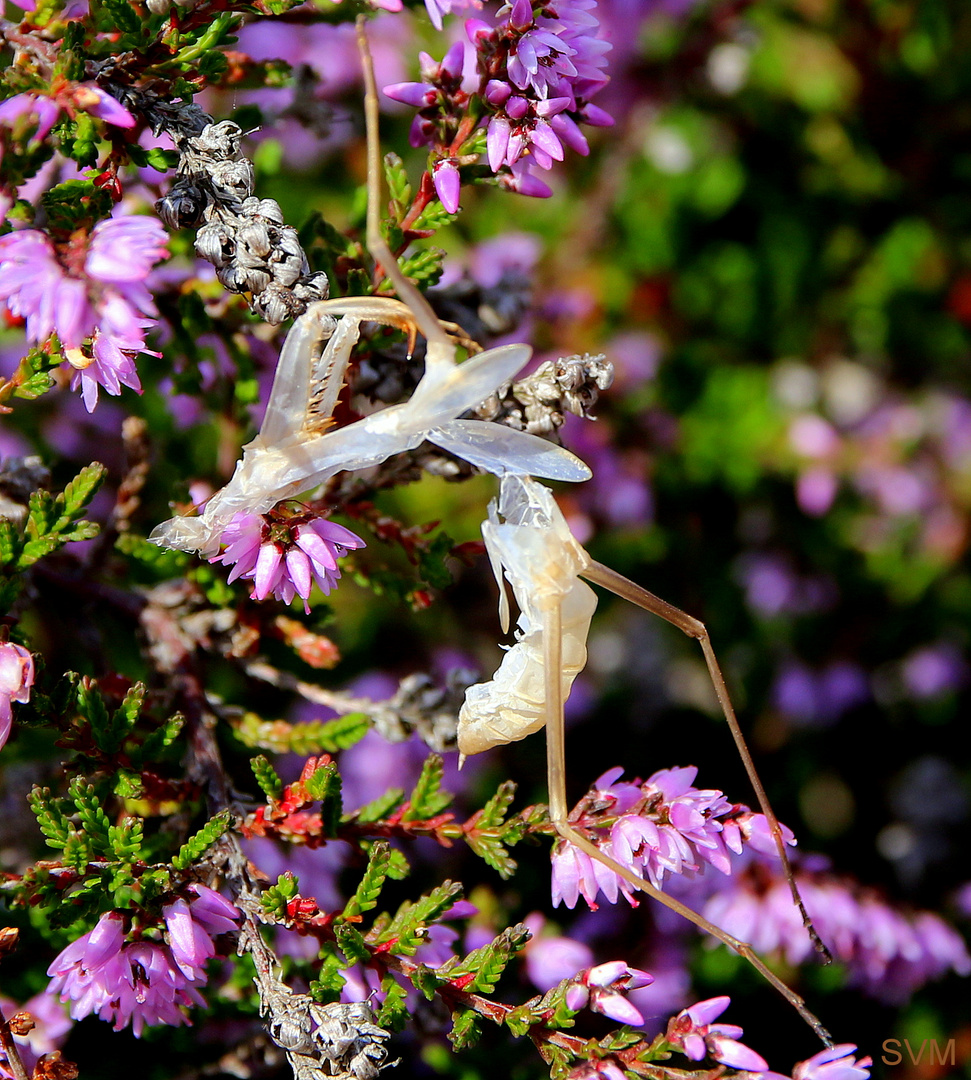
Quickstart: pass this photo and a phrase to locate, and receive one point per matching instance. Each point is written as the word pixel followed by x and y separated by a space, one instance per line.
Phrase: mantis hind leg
pixel 621 586
pixel 559 815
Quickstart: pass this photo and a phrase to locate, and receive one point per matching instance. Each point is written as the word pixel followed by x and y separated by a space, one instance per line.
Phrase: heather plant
pixel 239 656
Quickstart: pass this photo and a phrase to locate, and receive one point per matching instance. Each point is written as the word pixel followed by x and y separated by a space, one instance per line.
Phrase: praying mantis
pixel 528 541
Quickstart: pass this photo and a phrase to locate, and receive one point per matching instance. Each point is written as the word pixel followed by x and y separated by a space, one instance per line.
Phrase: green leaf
pixel 329 982
pixel 41 514
pixel 94 820
pixel 50 816
pixel 123 719
pixel 82 146
pixel 520 1020
pixel 366 896
pixel 493 852
pixel 81 490
pixel 159 739
pixel 432 564
pixel 427 800
pixel 34 386
pixel 424 267
pixel 382 807
pixel 398 186
pixel 325 784
pixel 163 561
pixel 9 541
pixel 126 839
pixel 425 980
pixel 399 867
pixel 466 1030
pixel 196 845
pixel 52 521
pixel 432 218
pixel 487 964
pixel 75 204
pixel 267 777
pixel 323 737
pixel 393 1013
pixel 408 928
pixel 37 549
pixel 128 785
pixel 494 812
pixel 276 897
pixel 77 851
pixel 91 706
pixel 352 943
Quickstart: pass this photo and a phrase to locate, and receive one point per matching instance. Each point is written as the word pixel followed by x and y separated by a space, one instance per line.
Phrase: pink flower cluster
pixel 536 72
pixel 16 679
pixel 662 826
pixel 889 953
pixel 603 988
pixel 833 1063
pixel 143 982
pixel 91 292
pixel 906 461
pixel 37 110
pixel 51 1027
pixel 284 554
pixel 696 1036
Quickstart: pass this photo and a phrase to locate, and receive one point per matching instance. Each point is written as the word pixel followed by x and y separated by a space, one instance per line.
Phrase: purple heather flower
pixel 94 298
pixel 191 927
pixel 143 982
pixel 811 698
pixel 34 108
pixel 100 974
pixel 833 1063
pixel 550 958
pixel 285 554
pixel 448 184
pixel 603 988
pixel 535 77
pixel 889 953
pixel 816 490
pixel 437 9
pixel 663 826
pixel 693 1033
pixel 16 679
pixel 604 1069
pixel 934 670
pixel 51 1028
pixel 43 111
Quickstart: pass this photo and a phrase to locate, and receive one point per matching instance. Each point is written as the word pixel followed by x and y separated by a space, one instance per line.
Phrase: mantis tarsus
pixel 530 541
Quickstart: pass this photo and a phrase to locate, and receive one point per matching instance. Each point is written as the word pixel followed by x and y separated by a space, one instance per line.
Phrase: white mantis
pixel 530 544
pixel 527 538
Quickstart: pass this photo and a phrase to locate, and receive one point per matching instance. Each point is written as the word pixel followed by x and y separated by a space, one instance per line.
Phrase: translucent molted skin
pixel 529 545
pixel 295 452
